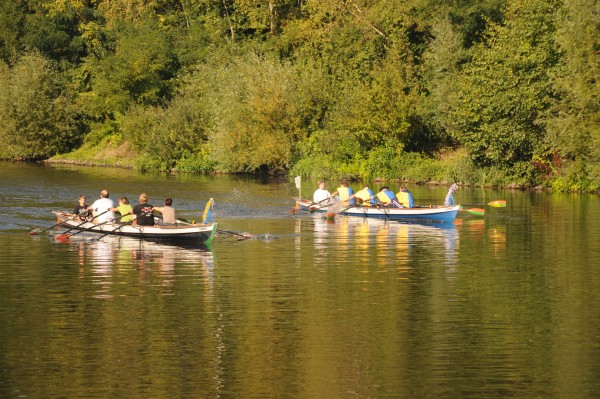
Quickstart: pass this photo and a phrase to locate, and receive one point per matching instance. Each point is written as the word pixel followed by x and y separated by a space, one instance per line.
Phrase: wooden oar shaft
pixel 495 203
pixel 81 224
pixel 36 232
pixel 112 231
pixel 233 233
pixel 64 235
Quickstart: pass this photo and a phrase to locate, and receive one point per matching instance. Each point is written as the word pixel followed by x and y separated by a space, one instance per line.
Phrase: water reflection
pixel 106 262
pixel 383 243
pixel 500 306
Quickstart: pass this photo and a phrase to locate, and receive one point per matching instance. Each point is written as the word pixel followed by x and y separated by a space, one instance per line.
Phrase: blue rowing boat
pixel 433 214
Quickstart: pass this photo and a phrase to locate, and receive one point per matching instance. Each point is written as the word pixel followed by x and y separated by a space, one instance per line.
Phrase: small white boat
pixel 182 232
pixel 435 214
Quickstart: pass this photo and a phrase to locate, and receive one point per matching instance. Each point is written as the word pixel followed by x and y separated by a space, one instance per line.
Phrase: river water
pixel 504 305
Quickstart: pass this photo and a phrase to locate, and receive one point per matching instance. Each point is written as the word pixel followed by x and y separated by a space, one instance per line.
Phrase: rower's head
pixel 123 200
pixel 104 194
pixel 453 188
pixel 143 198
pixel 168 202
pixel 82 199
pixel 321 184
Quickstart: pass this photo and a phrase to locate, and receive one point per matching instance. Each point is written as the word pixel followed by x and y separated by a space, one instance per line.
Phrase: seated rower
pixel 168 213
pixel 405 198
pixel 143 212
pixel 321 194
pixel 81 210
pixel 345 193
pixel 388 197
pixel 126 211
pixel 365 196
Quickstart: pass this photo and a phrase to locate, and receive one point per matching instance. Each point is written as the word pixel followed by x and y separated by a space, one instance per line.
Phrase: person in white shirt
pixel 101 208
pixel 449 200
pixel 321 194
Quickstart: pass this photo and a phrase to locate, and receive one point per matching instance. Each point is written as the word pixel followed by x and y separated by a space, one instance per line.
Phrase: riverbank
pixel 512 186
pixel 86 163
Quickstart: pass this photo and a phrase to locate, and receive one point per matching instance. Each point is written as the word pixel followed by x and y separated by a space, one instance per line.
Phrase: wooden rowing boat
pixel 433 214
pixel 182 232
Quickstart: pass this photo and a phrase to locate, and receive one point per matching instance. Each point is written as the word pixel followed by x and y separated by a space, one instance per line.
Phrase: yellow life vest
pixel 344 193
pixel 383 197
pixel 404 199
pixel 364 195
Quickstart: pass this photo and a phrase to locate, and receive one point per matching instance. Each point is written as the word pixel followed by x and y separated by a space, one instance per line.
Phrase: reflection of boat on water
pixel 360 228
pixel 423 229
pixel 104 251
pixel 436 214
pixel 182 248
pixel 381 242
pixel 113 258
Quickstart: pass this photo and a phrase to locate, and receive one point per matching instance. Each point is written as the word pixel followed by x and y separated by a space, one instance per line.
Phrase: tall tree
pixel 256 117
pixel 574 122
pixel 37 118
pixel 502 92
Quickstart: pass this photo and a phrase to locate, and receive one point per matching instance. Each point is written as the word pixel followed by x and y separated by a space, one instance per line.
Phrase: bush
pixel 195 163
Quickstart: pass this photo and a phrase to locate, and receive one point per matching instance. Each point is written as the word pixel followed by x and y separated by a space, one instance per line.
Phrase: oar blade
pixel 62 237
pixel 34 232
pixel 476 211
pixel 498 203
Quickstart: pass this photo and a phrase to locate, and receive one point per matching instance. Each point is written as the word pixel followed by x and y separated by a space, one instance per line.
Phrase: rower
pixel 405 198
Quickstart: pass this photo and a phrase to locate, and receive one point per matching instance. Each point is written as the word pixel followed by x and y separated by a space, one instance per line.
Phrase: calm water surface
pixel 499 306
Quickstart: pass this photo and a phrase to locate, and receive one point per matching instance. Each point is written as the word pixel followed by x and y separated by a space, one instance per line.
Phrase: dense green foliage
pixel 492 92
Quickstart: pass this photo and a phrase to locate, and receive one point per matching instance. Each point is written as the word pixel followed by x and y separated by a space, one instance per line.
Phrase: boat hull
pixel 200 233
pixel 436 214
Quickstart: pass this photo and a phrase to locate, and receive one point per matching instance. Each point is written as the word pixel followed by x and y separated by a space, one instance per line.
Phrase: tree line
pixel 490 92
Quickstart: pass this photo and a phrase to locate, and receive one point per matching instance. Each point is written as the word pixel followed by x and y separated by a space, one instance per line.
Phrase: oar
pixel 336 208
pixel 383 209
pixel 495 204
pixel 64 235
pixel 481 211
pixel 112 231
pixel 233 233
pixel 35 232
pixel 80 224
pixel 474 211
pixel 309 207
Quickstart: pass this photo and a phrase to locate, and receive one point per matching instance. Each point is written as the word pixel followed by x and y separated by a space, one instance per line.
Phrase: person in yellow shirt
pixel 125 209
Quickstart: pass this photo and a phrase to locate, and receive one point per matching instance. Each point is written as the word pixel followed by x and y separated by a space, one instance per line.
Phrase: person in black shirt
pixel 143 212
pixel 81 209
